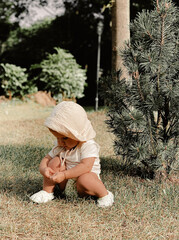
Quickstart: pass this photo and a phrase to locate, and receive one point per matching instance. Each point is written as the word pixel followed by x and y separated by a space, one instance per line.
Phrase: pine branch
pixel 149 34
pixel 166 119
pixel 159 119
pixel 151 135
pixel 130 115
pixel 172 124
pixel 136 77
pixel 162 38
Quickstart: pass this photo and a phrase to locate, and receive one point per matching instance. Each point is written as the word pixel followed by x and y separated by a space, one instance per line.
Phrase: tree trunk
pixel 120 32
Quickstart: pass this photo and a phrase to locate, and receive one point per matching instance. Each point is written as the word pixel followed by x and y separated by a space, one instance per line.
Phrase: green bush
pixel 61 75
pixel 14 81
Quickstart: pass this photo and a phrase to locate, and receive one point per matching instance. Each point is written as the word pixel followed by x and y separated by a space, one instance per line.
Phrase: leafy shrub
pixel 61 75
pixel 14 81
pixel 144 115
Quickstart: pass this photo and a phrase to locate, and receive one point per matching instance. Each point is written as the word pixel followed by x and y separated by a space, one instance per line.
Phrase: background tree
pixel 6 10
pixel 120 31
pixel 144 116
pixel 74 31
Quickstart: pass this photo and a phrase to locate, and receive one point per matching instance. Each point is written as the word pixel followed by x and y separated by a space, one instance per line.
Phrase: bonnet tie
pixel 62 160
pixel 68 152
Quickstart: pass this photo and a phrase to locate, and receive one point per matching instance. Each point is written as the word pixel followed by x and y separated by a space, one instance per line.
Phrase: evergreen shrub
pixel 144 109
pixel 60 74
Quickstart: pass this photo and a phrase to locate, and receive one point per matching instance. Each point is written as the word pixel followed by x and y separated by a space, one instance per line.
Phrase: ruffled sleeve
pixel 89 149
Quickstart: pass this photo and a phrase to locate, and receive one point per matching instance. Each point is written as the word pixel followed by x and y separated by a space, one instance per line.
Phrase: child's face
pixel 63 141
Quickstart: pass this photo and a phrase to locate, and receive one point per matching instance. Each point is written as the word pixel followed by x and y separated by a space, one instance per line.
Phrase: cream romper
pixel 74 156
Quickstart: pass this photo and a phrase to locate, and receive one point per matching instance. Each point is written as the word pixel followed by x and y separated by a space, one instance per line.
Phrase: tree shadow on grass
pixel 20 163
pixel 20 172
pixel 117 168
pixel 19 169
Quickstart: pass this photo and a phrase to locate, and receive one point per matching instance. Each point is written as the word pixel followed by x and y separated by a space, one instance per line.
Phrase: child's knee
pixel 84 181
pixel 54 163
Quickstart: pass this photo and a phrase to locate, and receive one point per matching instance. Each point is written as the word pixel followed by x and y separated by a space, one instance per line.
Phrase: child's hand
pixel 58 177
pixel 47 172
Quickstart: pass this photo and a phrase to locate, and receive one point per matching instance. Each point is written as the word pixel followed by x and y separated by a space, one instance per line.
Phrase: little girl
pixel 74 156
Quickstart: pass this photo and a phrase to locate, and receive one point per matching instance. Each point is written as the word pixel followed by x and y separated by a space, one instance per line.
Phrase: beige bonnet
pixel 70 119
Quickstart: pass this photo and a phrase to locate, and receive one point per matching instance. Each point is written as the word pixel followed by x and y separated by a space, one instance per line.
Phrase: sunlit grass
pixel 143 209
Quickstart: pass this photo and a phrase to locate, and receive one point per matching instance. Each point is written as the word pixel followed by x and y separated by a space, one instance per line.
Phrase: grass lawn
pixel 143 209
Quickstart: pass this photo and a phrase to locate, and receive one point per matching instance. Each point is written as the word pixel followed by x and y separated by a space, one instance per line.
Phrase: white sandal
pixel 42 197
pixel 106 201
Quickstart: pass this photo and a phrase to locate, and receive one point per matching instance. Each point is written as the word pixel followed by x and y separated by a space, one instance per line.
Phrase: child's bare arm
pixel 84 167
pixel 44 169
pixel 44 162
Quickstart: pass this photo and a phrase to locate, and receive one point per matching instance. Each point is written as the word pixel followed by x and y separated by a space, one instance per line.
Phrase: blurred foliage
pixel 14 81
pixel 26 46
pixel 75 31
pixel 5 26
pixel 61 75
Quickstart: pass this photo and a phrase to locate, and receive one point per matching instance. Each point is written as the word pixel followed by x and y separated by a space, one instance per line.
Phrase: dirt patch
pixel 43 98
pixel 3 99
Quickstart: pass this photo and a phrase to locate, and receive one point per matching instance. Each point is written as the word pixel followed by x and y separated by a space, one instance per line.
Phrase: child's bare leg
pixel 49 185
pixel 47 194
pixel 90 184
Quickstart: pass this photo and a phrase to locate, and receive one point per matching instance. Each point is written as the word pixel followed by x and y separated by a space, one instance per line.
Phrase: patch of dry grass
pixel 143 209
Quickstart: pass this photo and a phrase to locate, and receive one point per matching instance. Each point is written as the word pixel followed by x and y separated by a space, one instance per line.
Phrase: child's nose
pixel 60 142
